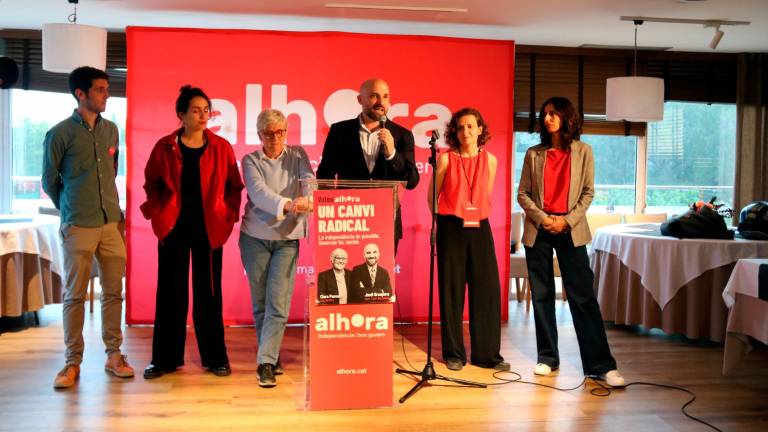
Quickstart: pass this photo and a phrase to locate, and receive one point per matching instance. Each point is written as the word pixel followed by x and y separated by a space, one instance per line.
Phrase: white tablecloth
pixel 743 280
pixel 747 313
pixel 32 234
pixel 665 264
pixel 30 263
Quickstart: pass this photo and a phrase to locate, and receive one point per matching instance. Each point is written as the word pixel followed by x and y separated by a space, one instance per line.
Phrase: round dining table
pixel 746 295
pixel 30 263
pixel 645 278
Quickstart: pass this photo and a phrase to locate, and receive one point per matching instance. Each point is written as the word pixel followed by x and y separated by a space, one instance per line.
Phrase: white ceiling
pixel 551 22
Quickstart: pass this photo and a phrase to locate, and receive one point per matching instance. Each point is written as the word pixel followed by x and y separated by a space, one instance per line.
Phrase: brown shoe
pixel 66 377
pixel 117 365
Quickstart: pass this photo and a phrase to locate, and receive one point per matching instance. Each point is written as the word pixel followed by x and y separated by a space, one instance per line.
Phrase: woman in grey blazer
pixel 556 189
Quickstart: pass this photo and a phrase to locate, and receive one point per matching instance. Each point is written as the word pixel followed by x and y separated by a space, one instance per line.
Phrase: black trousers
pixel 172 300
pixel 466 259
pixel 578 279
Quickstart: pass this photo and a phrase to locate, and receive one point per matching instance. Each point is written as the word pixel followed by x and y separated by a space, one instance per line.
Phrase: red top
pixel 465 181
pixel 557 180
pixel 221 187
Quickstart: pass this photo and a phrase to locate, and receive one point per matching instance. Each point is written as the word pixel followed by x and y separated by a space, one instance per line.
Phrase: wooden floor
pixel 192 400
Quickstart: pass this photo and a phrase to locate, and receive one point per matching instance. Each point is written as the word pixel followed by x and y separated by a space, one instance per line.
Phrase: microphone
pixel 382 123
pixel 433 148
pixel 435 137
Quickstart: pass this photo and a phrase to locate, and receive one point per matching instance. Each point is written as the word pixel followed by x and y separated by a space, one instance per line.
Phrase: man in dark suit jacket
pixel 370 282
pixel 328 289
pixel 360 149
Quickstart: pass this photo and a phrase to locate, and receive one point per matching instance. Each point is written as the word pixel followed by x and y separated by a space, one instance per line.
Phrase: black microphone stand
pixel 428 373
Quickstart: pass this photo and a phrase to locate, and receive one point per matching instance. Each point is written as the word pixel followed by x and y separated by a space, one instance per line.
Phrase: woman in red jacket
pixel 193 199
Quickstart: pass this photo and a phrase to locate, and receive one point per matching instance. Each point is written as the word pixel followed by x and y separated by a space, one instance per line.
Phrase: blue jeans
pixel 270 266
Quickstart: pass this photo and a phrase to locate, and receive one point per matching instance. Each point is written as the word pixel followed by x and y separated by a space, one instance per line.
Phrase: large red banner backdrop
pixel 314 79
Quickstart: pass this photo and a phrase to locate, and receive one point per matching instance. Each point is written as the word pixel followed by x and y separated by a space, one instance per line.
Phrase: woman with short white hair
pixel 273 222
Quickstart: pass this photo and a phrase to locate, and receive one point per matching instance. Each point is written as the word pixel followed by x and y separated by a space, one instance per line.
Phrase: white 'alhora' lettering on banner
pixel 339 322
pixel 339 105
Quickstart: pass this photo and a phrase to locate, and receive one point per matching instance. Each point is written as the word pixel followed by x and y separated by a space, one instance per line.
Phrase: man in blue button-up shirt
pixel 79 170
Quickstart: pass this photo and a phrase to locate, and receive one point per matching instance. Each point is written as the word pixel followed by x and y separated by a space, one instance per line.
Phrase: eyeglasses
pixel 338 258
pixel 273 134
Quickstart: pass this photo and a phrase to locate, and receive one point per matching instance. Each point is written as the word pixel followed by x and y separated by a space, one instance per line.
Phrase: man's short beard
pixel 372 114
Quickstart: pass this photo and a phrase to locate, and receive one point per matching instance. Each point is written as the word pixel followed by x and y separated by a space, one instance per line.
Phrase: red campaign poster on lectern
pixel 350 307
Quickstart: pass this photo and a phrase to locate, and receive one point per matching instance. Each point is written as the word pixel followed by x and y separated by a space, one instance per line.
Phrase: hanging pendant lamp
pixel 634 98
pixel 69 46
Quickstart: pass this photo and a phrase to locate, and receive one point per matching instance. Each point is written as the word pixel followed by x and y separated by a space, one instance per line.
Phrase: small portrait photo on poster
pixel 334 283
pixel 370 281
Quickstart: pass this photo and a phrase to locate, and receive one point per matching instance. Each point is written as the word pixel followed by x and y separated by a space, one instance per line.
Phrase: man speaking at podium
pixel 370 146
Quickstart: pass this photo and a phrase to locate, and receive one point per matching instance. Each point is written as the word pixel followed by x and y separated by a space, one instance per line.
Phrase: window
pixel 691 156
pixel 615 168
pixel 615 160
pixel 523 141
pixel 32 115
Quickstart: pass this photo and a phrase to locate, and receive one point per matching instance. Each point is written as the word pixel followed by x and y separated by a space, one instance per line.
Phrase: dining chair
pixel 598 220
pixel 518 268
pixel 645 217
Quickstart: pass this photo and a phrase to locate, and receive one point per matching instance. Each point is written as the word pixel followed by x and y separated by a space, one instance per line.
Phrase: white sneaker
pixel 542 369
pixel 613 378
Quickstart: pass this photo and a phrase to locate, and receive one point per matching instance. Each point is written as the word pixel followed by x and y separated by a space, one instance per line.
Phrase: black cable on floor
pixel 673 387
pixel 604 391
pixel 600 391
pixel 402 337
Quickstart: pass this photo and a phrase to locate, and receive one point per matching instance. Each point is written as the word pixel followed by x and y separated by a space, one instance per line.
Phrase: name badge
pixel 471 216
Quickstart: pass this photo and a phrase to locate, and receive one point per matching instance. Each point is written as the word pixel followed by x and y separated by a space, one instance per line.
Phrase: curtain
pixel 751 182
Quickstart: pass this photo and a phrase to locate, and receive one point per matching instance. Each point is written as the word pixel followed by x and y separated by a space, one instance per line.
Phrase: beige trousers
pixel 80 245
